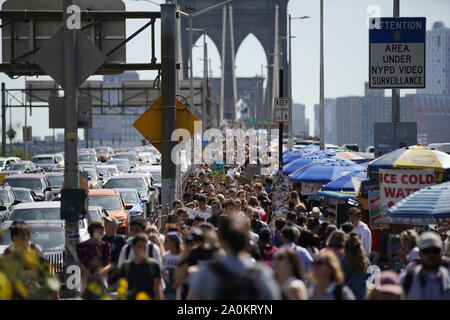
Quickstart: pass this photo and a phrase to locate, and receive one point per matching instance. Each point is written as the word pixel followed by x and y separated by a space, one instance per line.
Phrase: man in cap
pixel 117 242
pixel 429 280
pixel 316 213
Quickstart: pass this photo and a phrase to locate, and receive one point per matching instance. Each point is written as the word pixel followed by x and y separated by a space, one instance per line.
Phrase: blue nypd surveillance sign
pixel 397 53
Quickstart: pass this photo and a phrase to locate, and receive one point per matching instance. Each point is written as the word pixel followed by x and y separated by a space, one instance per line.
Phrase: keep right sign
pixel 397 53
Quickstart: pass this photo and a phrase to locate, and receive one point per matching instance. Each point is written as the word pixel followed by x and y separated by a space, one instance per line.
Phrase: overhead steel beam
pixel 97 14
pixel 32 69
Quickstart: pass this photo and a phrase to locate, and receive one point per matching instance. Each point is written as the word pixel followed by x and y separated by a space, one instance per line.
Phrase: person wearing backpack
pixel 328 279
pixel 138 225
pixel 235 276
pixel 266 248
pixel 143 274
pixel 430 278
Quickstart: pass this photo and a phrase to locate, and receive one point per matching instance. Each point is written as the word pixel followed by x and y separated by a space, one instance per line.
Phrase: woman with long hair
pixel 289 274
pixel 336 243
pixel 266 248
pixel 327 279
pixel 354 265
pixel 299 206
pixel 254 202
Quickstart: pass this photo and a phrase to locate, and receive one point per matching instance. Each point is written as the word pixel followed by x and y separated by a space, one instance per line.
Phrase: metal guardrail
pixel 56 260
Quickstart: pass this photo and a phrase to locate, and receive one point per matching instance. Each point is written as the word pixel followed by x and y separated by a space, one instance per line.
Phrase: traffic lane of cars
pixel 47 186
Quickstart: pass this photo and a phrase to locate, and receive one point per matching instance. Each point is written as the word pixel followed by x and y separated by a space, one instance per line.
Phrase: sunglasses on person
pixel 434 251
pixel 320 262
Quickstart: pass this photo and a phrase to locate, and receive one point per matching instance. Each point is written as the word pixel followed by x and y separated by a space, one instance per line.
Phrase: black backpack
pixel 410 273
pixel 337 292
pixel 243 286
pixel 150 251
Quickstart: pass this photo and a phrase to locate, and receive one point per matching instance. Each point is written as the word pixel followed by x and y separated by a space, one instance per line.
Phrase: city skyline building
pixel 107 129
pixel 437 60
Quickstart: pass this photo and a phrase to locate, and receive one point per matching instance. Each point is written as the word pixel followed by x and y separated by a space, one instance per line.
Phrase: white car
pixel 146 158
pixel 4 162
pixel 112 169
pixel 370 149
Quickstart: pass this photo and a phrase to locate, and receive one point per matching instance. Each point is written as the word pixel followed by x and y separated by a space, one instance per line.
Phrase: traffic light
pixel 73 204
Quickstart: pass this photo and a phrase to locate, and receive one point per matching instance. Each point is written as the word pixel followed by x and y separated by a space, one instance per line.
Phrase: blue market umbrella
pixel 289 156
pixel 423 206
pixel 324 172
pixel 320 154
pixel 339 195
pixel 345 183
pixel 303 161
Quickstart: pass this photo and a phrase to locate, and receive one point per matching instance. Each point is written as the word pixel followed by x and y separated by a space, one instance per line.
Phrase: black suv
pixel 39 183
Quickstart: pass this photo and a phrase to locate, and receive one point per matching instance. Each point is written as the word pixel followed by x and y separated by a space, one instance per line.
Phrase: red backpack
pixel 267 253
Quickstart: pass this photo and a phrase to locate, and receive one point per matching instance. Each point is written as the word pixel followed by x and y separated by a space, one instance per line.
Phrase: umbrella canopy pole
pixel 336 209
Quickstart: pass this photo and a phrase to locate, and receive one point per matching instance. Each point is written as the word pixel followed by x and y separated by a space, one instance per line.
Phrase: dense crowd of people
pixel 222 240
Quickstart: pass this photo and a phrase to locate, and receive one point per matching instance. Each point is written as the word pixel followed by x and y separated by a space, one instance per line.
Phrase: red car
pixel 104 153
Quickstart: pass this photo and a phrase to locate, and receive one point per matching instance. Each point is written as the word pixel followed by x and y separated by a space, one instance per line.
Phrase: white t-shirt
pixel 169 262
pixel 123 253
pixel 254 237
pixel 207 213
pixel 298 282
pixel 366 236
pixel 413 254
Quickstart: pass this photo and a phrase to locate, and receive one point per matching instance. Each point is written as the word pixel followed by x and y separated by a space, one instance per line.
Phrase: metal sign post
pixel 281 108
pixel 70 141
pixel 168 103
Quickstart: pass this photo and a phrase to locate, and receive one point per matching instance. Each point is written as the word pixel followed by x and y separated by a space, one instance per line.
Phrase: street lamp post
pixel 322 107
pixel 290 75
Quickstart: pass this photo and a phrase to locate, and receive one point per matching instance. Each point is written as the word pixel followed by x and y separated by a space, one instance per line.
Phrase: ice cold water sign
pixel 397 53
pixel 396 185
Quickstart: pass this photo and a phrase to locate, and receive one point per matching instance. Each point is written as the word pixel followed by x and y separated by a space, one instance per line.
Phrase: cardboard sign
pixel 396 185
pixel 280 196
pixel 310 189
pixel 218 168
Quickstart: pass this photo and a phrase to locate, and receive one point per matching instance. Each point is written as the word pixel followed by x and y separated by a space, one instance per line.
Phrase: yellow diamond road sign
pixel 149 124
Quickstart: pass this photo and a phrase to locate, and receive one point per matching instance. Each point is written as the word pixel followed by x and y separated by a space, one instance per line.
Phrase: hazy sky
pixel 346 49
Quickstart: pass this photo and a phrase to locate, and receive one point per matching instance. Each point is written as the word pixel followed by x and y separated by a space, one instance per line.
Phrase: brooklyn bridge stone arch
pixel 228 26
